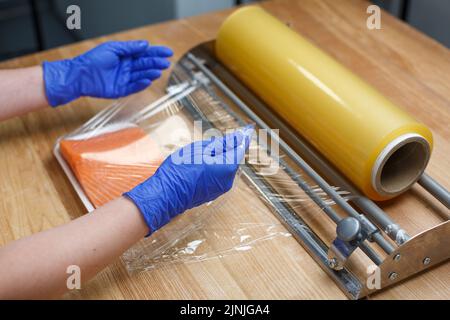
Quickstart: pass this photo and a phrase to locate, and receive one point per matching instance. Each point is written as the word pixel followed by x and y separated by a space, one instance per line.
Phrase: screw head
pixel 332 263
pixel 426 261
pixel 393 276
pixel 397 257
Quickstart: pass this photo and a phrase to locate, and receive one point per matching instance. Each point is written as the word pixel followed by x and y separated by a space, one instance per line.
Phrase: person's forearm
pixel 36 266
pixel 21 91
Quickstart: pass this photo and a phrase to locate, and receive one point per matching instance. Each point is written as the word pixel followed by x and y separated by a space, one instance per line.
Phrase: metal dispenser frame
pixel 366 222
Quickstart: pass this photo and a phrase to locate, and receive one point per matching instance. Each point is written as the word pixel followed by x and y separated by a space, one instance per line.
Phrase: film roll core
pixel 380 148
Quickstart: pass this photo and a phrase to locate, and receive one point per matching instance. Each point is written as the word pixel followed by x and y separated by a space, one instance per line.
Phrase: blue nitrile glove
pixel 111 70
pixel 195 174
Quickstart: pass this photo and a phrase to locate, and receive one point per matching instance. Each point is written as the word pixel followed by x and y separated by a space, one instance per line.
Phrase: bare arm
pixel 21 91
pixel 36 267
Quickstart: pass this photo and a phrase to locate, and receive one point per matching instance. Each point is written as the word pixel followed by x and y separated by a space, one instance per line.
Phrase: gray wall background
pixel 99 17
pixel 429 16
pixel 108 16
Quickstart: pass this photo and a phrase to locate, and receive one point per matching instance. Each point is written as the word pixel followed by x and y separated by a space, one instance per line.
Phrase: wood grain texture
pixel 405 65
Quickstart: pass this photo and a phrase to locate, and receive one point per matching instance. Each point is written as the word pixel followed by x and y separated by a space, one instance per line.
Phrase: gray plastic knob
pixel 348 229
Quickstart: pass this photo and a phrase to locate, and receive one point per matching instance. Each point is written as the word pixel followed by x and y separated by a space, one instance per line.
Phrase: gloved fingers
pixel 128 48
pixel 137 86
pixel 247 133
pixel 232 140
pixel 241 136
pixel 158 51
pixel 229 149
pixel 144 63
pixel 218 145
pixel 236 155
pixel 146 74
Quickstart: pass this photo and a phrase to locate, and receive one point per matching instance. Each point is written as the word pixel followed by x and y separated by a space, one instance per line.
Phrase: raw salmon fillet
pixel 112 163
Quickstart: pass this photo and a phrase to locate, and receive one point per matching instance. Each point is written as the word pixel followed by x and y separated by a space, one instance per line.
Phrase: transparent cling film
pixel 125 143
pixel 214 235
pixel 207 239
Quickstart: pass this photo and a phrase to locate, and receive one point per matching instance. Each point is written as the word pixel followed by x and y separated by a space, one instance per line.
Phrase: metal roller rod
pixel 435 189
pixel 386 246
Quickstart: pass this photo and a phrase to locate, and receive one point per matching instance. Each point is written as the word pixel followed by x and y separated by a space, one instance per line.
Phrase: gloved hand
pixel 111 70
pixel 195 174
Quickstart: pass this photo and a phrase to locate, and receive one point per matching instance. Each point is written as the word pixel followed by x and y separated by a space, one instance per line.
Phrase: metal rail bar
pixel 386 246
pixel 435 189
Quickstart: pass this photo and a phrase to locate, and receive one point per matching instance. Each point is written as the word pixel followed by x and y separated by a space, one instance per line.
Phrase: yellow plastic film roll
pixel 375 144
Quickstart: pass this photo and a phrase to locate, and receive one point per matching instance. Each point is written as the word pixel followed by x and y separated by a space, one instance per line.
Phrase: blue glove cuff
pixel 60 85
pixel 147 197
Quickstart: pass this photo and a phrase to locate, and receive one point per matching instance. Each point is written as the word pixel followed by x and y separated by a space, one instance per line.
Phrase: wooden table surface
pixel 405 65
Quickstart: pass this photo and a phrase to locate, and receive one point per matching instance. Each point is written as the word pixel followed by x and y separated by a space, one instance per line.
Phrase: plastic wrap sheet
pixel 209 237
pixel 214 234
pixel 124 144
pixel 236 226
